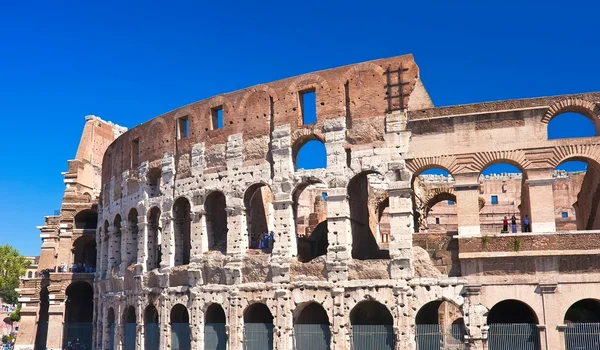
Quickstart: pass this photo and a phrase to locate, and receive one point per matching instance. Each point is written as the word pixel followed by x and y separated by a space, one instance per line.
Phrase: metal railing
pixel 111 344
pixel 372 337
pixel 582 336
pixel 513 336
pixel 78 335
pixel 215 336
pixel 435 337
pixel 180 336
pixel 151 336
pixel 258 336
pixel 129 336
pixel 312 336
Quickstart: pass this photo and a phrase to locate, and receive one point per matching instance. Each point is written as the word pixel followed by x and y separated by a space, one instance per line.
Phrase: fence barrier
pixel 312 336
pixel 258 336
pixel 435 337
pixel 129 336
pixel 180 336
pixel 582 336
pixel 151 336
pixel 78 335
pixel 372 337
pixel 215 336
pixel 513 336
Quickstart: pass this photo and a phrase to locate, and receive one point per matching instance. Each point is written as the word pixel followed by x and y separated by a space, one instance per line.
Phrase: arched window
pixel 216 221
pixel 132 241
pixel 42 324
pixel 129 329
pixel 434 201
pixel 215 334
pixel 180 328
pixel 583 322
pixel 575 191
pixel 310 216
pixel 183 228
pixel 115 242
pixel 363 189
pixel 513 324
pixel 154 177
pixel 151 328
pixel 372 323
pixel 154 240
pixel 86 220
pixel 84 254
pixel 258 327
pixel 570 125
pixel 79 311
pixel 308 153
pixel 258 201
pixel 440 322
pixel 29 274
pixel 311 327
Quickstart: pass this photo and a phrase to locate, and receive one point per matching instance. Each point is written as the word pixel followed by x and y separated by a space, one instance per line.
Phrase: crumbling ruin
pixel 187 197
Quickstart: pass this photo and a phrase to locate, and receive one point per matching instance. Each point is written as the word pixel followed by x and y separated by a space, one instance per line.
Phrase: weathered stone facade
pixel 183 201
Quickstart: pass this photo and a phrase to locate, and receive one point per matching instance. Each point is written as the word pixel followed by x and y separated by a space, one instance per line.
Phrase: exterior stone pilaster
pixel 56 313
pixel 475 317
pixel 168 244
pixel 339 250
pixel 541 200
pixel 285 246
pixel 467 203
pixel 236 224
pixel 401 229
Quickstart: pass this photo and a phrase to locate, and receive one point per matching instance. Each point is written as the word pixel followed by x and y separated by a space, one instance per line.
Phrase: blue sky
pixel 129 61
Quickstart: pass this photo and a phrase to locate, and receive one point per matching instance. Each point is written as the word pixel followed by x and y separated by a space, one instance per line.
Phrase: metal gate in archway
pixel 312 336
pixel 180 336
pixel 373 337
pixel 151 336
pixel 436 337
pixel 582 336
pixel 78 335
pixel 513 336
pixel 215 336
pixel 129 336
pixel 111 334
pixel 258 336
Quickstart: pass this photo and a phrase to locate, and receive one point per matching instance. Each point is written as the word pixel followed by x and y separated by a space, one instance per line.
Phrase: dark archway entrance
pixel 258 327
pixel 151 328
pixel 42 327
pixel 129 328
pixel 79 313
pixel 183 227
pixel 311 328
pixel 86 220
pixel 84 254
pixel 215 336
pixel 154 242
pixel 216 221
pixel 111 328
pixel 439 325
pixel 180 328
pixel 583 325
pixel 513 325
pixel 372 326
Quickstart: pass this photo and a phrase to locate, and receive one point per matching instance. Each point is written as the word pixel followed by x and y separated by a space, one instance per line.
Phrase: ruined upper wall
pixel 362 92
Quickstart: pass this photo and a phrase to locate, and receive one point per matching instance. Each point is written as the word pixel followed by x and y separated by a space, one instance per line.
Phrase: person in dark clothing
pixel 505 225
pixel 526 224
pixel 513 222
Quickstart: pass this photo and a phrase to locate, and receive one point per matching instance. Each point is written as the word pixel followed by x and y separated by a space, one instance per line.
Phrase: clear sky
pixel 129 61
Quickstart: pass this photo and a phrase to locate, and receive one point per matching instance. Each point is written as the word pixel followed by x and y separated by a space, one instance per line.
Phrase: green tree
pixel 12 266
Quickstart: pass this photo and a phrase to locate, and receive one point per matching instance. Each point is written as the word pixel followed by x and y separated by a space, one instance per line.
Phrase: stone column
pixel 401 229
pixel 164 323
pixel 467 203
pixel 475 317
pixel 235 325
pixel 113 260
pixel 142 245
pixel 282 339
pixel 403 330
pixel 167 247
pixel 339 250
pixel 105 250
pixel 27 326
pixel 340 332
pixel 541 200
pixel 551 316
pixel 198 236
pixel 196 324
pixel 56 313
pixel 125 246
pixel 236 230
pixel 285 246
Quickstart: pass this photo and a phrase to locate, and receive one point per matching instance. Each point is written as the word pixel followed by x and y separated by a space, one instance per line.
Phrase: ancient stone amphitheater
pixel 183 263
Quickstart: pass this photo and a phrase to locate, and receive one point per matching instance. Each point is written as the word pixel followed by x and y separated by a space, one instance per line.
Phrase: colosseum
pixel 199 230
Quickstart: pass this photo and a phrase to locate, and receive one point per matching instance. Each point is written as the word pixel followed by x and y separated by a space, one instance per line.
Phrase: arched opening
pixel 29 274
pixel 383 223
pixel 154 177
pixel 513 325
pixel 583 325
pixel 151 328
pixel 84 254
pixel 311 327
pixel 154 239
pixel 570 125
pixel 41 335
pixel 258 327
pixel 576 192
pixel 363 191
pixel 79 312
pixel 216 221
pixel 131 242
pixel 129 328
pixel 503 187
pixel 434 203
pixel 183 228
pixel 180 328
pixel 86 220
pixel 115 243
pixel 258 201
pixel 310 217
pixel 110 320
pixel 372 326
pixel 104 250
pixel 309 153
pixel 215 334
pixel 439 325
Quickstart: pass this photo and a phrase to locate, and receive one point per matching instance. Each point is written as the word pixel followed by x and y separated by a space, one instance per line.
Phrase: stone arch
pixel 153 181
pixel 258 202
pixel 84 253
pixel 180 327
pixel 309 210
pixel 86 219
pixel 583 311
pixel 419 165
pixel 300 140
pixel 482 160
pixel 371 312
pixel 79 314
pixel 215 333
pixel 363 217
pixel 131 242
pixel 258 312
pixel 310 312
pixel 129 328
pixel 365 90
pixel 182 220
pixel 153 258
pixel 151 328
pixel 115 245
pixel 311 326
pixel 159 131
pixel 512 311
pixel 258 326
pixel 43 317
pixel 215 314
pixel 258 88
pixel 372 322
pixel 305 81
pixel 577 105
pixel 584 153
pixel 215 206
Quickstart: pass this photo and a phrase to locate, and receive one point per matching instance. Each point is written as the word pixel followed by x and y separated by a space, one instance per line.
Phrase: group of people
pixel 75 268
pixel 8 308
pixel 264 241
pixel 526 224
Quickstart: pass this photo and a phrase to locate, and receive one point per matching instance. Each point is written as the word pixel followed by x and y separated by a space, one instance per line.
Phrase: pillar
pixel 235 325
pixel 339 250
pixel 167 247
pixel 56 313
pixel 125 245
pixel 541 200
pixel 285 246
pixel 236 230
pixel 27 326
pixel 401 229
pixel 467 203
pixel 475 317
pixel 340 322
pixel 164 323
pixel 284 329
pixel 142 245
